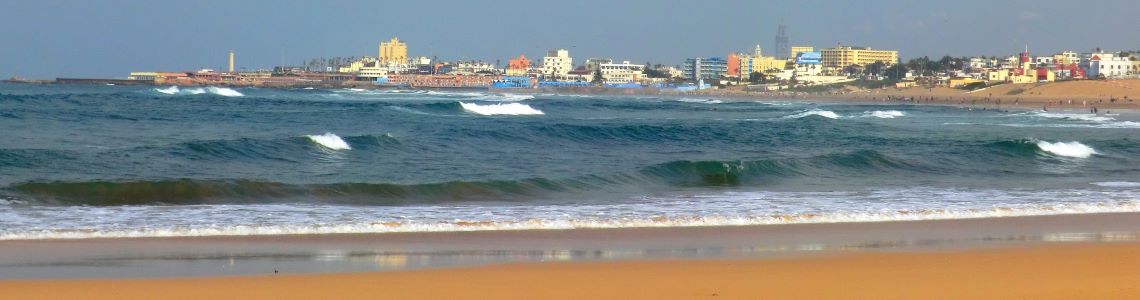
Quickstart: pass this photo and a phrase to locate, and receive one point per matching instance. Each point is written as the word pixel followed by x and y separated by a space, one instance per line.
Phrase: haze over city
pixel 112 38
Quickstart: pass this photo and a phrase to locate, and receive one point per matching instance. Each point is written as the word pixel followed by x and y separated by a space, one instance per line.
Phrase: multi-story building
pixel 624 72
pixel 593 63
pixel 1107 65
pixel 557 62
pixel 835 59
pixel 393 52
pixel 796 50
pixel 518 66
pixel 705 68
pixel 733 62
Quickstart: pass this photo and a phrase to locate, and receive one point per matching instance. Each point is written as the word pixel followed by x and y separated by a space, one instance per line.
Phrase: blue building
pixel 705 68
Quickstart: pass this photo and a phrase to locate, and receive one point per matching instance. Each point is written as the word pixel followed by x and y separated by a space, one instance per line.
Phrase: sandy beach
pixel 1057 271
pixel 1091 256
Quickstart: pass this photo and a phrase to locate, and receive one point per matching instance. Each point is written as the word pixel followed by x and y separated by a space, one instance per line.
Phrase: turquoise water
pixel 112 161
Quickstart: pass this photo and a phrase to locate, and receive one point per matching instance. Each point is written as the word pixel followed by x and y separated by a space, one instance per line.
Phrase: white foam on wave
pixel 1117 184
pixel 815 112
pixel 885 114
pixel 220 91
pixel 1079 117
pixel 169 91
pixel 1070 149
pixel 330 140
pixel 590 222
pixel 500 109
pixel 698 100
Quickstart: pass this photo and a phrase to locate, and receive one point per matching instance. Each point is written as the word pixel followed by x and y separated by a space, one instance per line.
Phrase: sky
pixel 45 39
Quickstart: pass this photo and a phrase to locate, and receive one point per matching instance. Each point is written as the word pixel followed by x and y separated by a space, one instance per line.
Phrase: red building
pixel 733 65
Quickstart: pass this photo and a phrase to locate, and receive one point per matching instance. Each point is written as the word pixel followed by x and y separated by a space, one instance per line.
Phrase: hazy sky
pixel 46 39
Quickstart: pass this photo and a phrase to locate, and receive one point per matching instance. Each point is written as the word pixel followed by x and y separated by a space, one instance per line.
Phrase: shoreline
pixel 1057 271
pixel 350 253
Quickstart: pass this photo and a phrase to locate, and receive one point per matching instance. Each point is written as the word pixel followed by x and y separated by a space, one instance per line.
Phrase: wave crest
pixel 220 91
pixel 814 112
pixel 1070 149
pixel 500 109
pixel 330 141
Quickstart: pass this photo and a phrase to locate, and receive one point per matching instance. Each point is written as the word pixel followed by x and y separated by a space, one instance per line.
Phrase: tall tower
pixel 231 61
pixel 782 46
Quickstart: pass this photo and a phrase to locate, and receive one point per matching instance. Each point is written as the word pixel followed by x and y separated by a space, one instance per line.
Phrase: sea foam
pixel 1070 149
pixel 329 140
pixel 815 112
pixel 885 114
pixel 500 109
pixel 220 91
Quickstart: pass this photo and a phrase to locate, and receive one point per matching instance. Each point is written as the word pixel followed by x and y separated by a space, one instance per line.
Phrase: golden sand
pixel 1044 271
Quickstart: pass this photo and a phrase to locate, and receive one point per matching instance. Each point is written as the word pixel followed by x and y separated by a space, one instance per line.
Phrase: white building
pixel 594 63
pixel 557 62
pixel 624 72
pixel 1107 65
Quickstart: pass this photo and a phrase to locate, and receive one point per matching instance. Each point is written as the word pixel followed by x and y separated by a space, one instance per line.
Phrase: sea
pixel 93 161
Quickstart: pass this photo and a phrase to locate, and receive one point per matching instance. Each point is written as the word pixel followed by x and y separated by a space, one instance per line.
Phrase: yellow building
pixel 765 63
pixel 835 59
pixel 393 51
pixel 799 49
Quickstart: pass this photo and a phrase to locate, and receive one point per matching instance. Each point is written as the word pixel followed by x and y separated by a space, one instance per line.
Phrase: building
pixel 594 63
pixel 733 66
pixel 1106 65
pixel 557 62
pixel 835 59
pixel 518 66
pixel 356 65
pixel 705 68
pixel 808 64
pixel 393 52
pixel 624 72
pixel 796 50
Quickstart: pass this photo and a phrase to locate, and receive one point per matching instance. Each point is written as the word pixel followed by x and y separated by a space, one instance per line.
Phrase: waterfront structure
pixel 518 66
pixel 1106 65
pixel 593 63
pixel 231 61
pixel 356 65
pixel 393 52
pixel 622 73
pixel 557 62
pixel 796 50
pixel 698 68
pixel 835 59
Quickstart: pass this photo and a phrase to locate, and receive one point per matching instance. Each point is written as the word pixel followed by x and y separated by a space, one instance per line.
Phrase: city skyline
pixel 68 38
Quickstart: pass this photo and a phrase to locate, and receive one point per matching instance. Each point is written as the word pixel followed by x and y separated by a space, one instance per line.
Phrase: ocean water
pixel 116 161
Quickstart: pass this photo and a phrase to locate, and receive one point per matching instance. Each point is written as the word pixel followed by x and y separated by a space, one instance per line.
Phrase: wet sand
pixel 1046 271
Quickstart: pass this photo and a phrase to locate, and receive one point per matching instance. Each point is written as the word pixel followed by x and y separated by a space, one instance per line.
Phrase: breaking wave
pixel 558 218
pixel 500 109
pixel 220 91
pixel 697 100
pixel 814 112
pixel 885 114
pixel 1070 149
pixel 330 141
